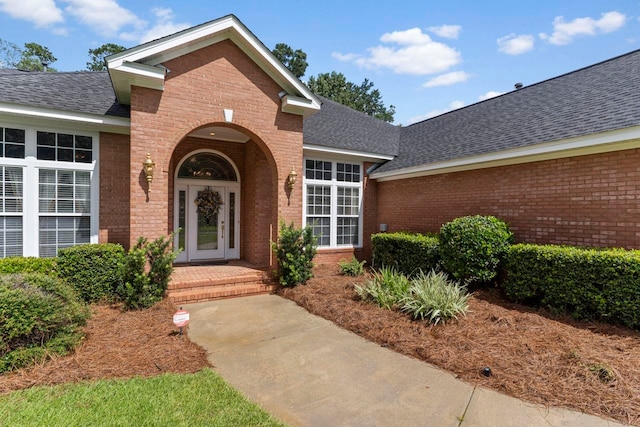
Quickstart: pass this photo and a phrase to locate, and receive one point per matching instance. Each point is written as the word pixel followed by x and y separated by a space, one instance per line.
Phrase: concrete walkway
pixel 308 372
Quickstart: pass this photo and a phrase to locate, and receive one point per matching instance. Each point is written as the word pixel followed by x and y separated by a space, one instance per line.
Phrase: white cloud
pixel 107 17
pixel 346 57
pixel 446 31
pixel 565 32
pixel 42 13
pixel 417 54
pixel 163 26
pixel 490 94
pixel 515 45
pixel 448 79
pixel 453 106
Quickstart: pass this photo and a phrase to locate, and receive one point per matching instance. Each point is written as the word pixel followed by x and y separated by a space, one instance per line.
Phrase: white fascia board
pixel 26 114
pixel 190 40
pixel 310 150
pixel 133 74
pixel 297 105
pixel 592 144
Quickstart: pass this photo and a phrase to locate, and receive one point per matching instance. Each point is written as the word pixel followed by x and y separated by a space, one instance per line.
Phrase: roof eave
pixel 621 139
pixel 97 122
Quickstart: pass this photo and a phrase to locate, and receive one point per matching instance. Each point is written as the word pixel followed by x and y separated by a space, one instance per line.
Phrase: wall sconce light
pixel 291 179
pixel 148 166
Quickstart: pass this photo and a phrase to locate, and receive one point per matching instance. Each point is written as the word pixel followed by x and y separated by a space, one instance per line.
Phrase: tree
pixel 359 97
pixel 9 54
pixel 98 54
pixel 295 61
pixel 36 57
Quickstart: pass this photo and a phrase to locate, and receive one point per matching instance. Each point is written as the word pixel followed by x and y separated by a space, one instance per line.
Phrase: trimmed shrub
pixel 94 271
pixel 386 288
pixel 586 283
pixel 352 267
pixel 472 247
pixel 432 296
pixel 14 265
pixel 406 252
pixel 39 315
pixel 295 250
pixel 141 288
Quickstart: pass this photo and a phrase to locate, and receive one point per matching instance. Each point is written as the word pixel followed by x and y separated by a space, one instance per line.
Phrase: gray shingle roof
pixel 82 91
pixel 337 126
pixel 598 98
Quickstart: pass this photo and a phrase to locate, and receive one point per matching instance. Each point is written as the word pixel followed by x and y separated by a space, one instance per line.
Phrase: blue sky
pixel 425 57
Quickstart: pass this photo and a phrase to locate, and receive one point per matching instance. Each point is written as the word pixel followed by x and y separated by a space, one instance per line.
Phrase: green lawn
pixel 200 399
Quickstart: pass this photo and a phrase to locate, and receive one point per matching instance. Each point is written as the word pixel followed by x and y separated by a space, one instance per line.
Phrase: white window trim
pixel 31 165
pixel 334 184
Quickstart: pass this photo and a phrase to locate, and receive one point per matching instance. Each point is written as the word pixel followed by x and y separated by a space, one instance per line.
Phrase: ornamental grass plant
pixel 432 296
pixel 386 288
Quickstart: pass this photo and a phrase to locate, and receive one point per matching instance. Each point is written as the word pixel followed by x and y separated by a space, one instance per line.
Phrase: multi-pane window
pixel 11 207
pixel 64 147
pixel 12 143
pixel 348 216
pixel 65 205
pixel 46 184
pixel 333 199
pixel 319 212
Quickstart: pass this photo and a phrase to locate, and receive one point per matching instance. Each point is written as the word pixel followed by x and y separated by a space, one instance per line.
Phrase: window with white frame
pixel 333 196
pixel 46 188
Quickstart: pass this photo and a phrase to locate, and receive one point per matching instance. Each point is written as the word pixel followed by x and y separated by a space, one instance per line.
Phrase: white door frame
pixel 230 246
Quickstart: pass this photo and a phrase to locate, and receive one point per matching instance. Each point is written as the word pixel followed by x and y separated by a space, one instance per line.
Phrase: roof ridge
pixel 529 86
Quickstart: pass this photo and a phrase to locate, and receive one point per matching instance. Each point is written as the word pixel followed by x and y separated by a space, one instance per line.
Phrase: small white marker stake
pixel 181 319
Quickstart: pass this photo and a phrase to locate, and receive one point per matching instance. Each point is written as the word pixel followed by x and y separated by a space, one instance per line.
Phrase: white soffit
pixel 338 153
pixel 29 115
pixel 580 146
pixel 151 55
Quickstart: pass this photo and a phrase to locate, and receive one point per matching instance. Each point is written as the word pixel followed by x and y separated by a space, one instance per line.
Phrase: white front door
pixel 206 234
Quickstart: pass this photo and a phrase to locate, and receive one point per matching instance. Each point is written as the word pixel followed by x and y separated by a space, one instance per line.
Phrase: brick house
pixel 214 110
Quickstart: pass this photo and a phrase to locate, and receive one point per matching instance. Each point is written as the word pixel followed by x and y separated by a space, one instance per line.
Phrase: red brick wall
pixel 114 189
pixel 198 88
pixel 587 200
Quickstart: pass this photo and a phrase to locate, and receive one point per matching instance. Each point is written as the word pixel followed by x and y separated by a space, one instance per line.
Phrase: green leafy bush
pixel 39 315
pixel 13 265
pixel 352 267
pixel 585 283
pixel 386 288
pixel 94 271
pixel 406 252
pixel 142 288
pixel 472 247
pixel 434 297
pixel 295 250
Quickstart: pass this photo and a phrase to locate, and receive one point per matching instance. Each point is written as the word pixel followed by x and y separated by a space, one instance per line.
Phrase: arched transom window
pixel 208 166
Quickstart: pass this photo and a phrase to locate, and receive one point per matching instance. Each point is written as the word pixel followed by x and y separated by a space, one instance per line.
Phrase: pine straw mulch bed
pixel 533 356
pixel 117 345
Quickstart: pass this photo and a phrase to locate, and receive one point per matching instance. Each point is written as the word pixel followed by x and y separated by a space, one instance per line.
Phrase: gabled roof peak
pixel 142 65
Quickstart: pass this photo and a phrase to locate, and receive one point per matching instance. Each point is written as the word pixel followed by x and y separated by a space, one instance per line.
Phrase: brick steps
pixel 199 289
pixel 220 292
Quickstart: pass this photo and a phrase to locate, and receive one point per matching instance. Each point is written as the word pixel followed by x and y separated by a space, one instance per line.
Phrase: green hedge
pixel 94 271
pixel 408 253
pixel 599 284
pixel 15 265
pixel 39 315
pixel 472 247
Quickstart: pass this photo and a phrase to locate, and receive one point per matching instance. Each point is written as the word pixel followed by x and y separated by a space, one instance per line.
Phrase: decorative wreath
pixel 208 204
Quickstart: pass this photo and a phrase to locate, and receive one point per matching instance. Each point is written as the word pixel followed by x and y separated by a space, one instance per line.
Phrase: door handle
pixel 222 227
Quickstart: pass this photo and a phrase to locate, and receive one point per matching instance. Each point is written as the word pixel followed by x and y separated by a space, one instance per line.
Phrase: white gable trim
pixel 153 54
pixel 591 144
